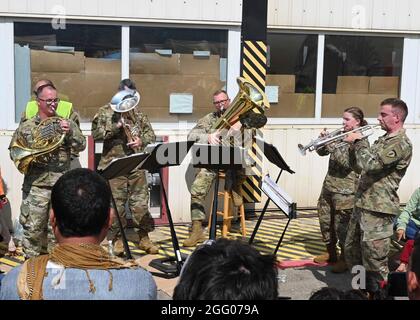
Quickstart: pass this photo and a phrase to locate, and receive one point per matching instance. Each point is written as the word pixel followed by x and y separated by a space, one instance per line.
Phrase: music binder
pixel 120 167
pixel 167 155
pixel 274 192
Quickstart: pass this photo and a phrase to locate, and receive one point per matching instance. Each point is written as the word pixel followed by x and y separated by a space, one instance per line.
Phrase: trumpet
pixel 336 136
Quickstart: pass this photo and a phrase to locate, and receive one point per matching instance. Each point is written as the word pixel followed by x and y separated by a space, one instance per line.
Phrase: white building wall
pixel 392 15
pixel 304 186
pixel 200 11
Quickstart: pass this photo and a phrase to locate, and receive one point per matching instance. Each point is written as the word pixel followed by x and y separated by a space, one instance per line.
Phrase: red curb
pixel 299 263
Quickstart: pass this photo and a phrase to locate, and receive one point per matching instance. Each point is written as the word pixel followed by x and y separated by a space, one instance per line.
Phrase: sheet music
pixel 277 194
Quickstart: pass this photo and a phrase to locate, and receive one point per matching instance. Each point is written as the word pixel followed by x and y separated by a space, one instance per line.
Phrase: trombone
pixel 336 136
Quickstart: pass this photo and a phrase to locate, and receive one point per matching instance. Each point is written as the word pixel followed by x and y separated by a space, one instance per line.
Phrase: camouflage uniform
pixel 377 203
pixel 204 178
pixel 336 202
pixel 132 187
pixel 38 182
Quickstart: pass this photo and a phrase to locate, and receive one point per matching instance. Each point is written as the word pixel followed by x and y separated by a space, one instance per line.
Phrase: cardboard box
pixel 103 66
pixel 45 61
pixel 153 63
pixel 373 102
pixel 71 85
pixel 384 85
pixel 352 84
pixel 155 89
pixel 102 77
pixel 285 82
pixel 209 66
pixel 293 105
pixel 161 114
pixel 333 105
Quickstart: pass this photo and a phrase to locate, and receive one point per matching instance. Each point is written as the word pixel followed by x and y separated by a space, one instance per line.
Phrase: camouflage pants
pixel 37 237
pixel 367 242
pixel 201 188
pixel 134 189
pixel 334 212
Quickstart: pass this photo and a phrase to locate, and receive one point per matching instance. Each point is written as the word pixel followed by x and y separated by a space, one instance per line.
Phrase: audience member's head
pixel 413 272
pixel 227 270
pixel 80 201
pixel 328 293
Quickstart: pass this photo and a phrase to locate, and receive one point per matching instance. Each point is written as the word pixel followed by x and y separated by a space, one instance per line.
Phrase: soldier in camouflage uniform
pixel 45 171
pixel 336 201
pixel 107 127
pixel 382 166
pixel 202 133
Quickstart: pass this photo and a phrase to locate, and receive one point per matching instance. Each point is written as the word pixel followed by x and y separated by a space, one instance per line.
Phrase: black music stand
pixel 120 167
pixel 217 158
pixel 273 155
pixel 167 155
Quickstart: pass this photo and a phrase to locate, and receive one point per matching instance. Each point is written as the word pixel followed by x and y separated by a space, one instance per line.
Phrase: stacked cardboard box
pixel 359 91
pixel 290 104
pixel 199 76
pixel 90 83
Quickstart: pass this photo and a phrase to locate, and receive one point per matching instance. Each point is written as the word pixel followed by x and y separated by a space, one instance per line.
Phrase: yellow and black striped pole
pixel 254 68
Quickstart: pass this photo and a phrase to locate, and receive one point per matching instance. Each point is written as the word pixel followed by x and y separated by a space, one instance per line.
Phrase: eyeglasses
pixel 50 101
pixel 220 101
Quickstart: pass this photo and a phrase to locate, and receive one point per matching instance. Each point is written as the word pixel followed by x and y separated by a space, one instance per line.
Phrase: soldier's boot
pixel 340 266
pixel 329 256
pixel 118 248
pixel 147 245
pixel 196 235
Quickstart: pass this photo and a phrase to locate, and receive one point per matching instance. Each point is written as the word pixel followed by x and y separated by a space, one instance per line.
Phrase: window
pixel 177 70
pixel 360 71
pixel 291 75
pixel 83 62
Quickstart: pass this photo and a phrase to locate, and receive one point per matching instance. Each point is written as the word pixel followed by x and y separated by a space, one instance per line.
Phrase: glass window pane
pixel 83 62
pixel 291 74
pixel 360 71
pixel 165 61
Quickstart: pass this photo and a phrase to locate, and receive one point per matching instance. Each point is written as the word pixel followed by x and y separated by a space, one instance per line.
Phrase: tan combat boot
pixel 118 248
pixel 196 235
pixel 341 265
pixel 147 245
pixel 329 256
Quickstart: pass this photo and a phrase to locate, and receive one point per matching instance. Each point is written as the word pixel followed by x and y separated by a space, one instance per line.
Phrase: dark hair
pixel 398 106
pixel 81 200
pixel 326 293
pixel 227 270
pixel 127 83
pixel 357 114
pixel 353 294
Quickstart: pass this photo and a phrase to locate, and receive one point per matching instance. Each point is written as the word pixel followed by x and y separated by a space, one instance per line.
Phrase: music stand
pixel 116 168
pixel 273 155
pixel 217 158
pixel 167 155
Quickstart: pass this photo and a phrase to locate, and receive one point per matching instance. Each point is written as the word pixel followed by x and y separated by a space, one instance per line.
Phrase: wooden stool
pixel 227 211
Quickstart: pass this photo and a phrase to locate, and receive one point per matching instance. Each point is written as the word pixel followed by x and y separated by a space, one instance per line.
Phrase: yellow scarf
pixel 79 256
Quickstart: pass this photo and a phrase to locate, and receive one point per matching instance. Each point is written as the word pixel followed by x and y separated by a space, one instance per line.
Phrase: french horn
pixel 47 137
